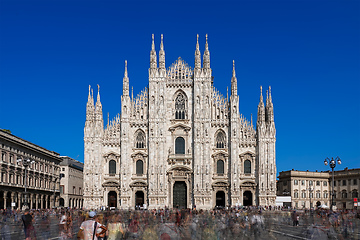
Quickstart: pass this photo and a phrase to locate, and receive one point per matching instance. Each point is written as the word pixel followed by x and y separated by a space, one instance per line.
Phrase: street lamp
pixel 26 164
pixel 332 166
pixel 55 179
pixel 311 189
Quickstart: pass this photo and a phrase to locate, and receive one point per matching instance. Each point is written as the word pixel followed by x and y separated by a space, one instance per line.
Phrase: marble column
pixel 5 199
pixel 12 199
pixel 42 201
pixel 31 198
pixel 19 200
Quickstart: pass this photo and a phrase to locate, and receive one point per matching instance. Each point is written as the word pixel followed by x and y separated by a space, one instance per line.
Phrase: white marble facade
pixel 179 143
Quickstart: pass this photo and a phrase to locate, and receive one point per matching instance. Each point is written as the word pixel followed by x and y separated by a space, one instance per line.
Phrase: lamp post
pixel 55 179
pixel 311 189
pixel 332 166
pixel 26 164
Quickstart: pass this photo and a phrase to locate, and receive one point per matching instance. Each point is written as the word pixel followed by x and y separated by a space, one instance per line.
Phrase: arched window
pixel 220 140
pixel 355 194
pixel 296 194
pixel 180 145
pixel 140 139
pixel 180 106
pixel 112 167
pixel 220 167
pixel 326 195
pixel 317 194
pixel 139 167
pixel 344 194
pixel 247 166
pixel 303 194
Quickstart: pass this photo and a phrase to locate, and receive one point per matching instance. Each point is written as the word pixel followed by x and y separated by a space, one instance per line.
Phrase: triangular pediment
pixel 110 184
pixel 248 183
pixel 143 154
pixel 220 184
pixel 247 153
pixel 111 154
pixel 181 126
pixel 219 154
pixel 138 184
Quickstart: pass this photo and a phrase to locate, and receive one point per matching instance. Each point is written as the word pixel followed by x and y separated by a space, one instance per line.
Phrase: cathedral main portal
pixel 112 199
pixel 179 195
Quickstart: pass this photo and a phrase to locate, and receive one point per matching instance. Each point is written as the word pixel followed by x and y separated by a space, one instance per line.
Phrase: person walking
pixel 29 229
pixel 89 228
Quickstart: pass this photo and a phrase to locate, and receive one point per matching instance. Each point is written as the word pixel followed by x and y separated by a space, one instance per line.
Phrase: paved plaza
pixel 186 224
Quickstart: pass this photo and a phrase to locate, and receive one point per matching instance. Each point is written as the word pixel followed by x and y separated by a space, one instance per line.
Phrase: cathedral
pixel 179 143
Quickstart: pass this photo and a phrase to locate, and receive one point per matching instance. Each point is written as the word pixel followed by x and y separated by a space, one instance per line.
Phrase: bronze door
pixel 179 195
pixel 112 199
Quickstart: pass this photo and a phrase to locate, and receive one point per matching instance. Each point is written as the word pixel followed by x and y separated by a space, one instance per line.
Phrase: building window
pixel 355 194
pixel 303 195
pixel 326 195
pixel 80 193
pixel 334 194
pixel 317 183
pixel 61 189
pixel 302 182
pixel 344 194
pixel 355 182
pixel 220 167
pixel 180 106
pixel 139 167
pixel 112 167
pixel 247 167
pixel 310 182
pixel 344 183
pixel 296 194
pixel 220 140
pixel 318 195
pixel 74 190
pixel 140 139
pixel 296 182
pixel 63 169
pixel 180 145
pixel 325 183
pixel 334 183
pixel 311 195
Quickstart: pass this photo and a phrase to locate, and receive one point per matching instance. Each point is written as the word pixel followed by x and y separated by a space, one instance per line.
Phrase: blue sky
pixel 308 51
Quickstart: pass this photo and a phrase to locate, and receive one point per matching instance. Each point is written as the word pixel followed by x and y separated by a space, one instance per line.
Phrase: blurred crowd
pixel 240 223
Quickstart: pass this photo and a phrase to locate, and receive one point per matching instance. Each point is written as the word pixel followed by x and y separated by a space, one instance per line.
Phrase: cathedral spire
pixel 162 54
pixel 227 93
pixel 126 81
pixel 261 108
pixel 206 57
pixel 90 105
pixel 269 107
pixel 197 54
pixel 233 81
pixel 98 107
pixel 153 61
